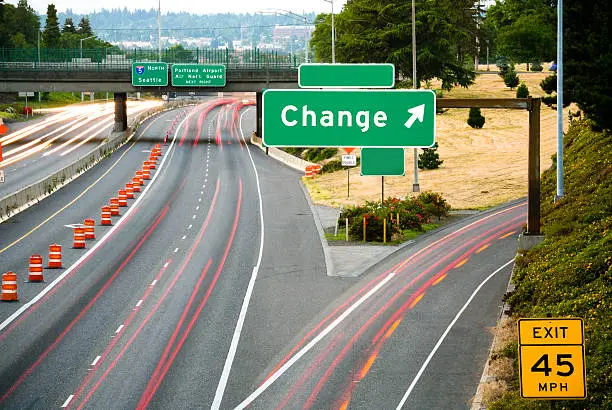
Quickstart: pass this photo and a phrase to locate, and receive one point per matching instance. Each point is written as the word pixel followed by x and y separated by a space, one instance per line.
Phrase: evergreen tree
pixel 522 91
pixel 51 34
pixel 26 22
pixel 429 158
pixel 84 27
pixel 511 79
pixel 475 118
pixel 69 26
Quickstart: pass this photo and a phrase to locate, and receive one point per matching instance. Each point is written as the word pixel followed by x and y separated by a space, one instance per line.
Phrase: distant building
pixel 282 34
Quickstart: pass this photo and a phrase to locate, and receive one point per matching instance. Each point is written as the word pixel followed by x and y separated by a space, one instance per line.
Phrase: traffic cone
pixel 122 195
pixel 151 163
pixel 140 176
pixel 55 256
pixel 146 172
pixel 129 190
pixel 9 287
pixel 36 269
pixel 114 206
pixel 136 184
pixel 90 230
pixel 106 216
pixel 79 238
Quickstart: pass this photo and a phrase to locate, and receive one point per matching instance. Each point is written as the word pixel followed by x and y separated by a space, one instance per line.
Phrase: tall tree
pixel 26 22
pixel 69 26
pixel 51 34
pixel 320 41
pixel 85 27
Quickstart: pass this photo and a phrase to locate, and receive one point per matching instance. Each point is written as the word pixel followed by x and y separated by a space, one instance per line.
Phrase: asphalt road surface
pixel 209 291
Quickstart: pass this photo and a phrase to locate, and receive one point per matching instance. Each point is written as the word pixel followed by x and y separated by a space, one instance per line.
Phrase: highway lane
pixel 35 151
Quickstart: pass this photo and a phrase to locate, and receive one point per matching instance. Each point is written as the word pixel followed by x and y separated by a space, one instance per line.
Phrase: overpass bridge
pixel 110 69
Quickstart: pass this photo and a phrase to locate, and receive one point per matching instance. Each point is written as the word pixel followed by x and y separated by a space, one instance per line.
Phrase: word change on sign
pixel 346 75
pixel 150 74
pixel 349 118
pixel 198 75
pixel 349 160
pixel 551 358
pixel 382 162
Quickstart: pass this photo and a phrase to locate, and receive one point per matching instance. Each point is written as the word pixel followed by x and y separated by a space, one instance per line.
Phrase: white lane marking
pixel 95 361
pixel 139 303
pixel 176 250
pixel 102 240
pixel 247 297
pixel 166 265
pixel 205 180
pixel 190 226
pixel 154 282
pixel 197 208
pixel 183 238
pixel 201 192
pixel 203 186
pixel 119 329
pixel 199 199
pixel 67 402
pixel 448 329
pixel 193 217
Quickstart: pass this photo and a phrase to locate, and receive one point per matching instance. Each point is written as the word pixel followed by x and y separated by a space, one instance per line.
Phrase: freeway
pixel 209 291
pixel 38 149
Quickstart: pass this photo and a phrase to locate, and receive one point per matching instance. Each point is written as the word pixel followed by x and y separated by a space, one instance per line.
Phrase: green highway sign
pixel 382 162
pixel 349 118
pixel 150 74
pixel 198 75
pixel 346 75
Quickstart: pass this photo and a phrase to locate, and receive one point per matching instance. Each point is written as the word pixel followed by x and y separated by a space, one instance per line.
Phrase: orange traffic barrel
pixel 79 238
pixel 9 287
pixel 129 190
pixel 36 269
pixel 140 176
pixel 122 195
pixel 309 173
pixel 55 256
pixel 136 184
pixel 151 163
pixel 90 230
pixel 106 216
pixel 114 206
pixel 146 172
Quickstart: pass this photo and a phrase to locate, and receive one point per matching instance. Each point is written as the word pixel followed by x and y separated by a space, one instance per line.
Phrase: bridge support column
pixel 120 112
pixel 258 101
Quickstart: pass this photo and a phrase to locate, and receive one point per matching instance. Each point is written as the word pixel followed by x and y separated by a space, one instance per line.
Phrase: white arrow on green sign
pixel 349 118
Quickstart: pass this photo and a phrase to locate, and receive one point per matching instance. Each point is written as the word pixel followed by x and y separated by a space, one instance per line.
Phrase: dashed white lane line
pixel 154 282
pixel 190 226
pixel 67 402
pixel 95 361
pixel 139 303
pixel 197 208
pixel 201 192
pixel 193 217
pixel 119 329
pixel 166 264
pixel 204 186
pixel 199 199
pixel 176 250
pixel 183 238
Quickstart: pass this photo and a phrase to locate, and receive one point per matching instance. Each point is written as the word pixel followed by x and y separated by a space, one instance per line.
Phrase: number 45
pixel 542 365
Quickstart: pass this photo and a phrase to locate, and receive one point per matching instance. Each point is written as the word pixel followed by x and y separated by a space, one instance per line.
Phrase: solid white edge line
pixel 68 400
pixel 313 342
pixel 446 332
pixel 53 284
pixel 247 297
pixel 96 360
pixel 119 329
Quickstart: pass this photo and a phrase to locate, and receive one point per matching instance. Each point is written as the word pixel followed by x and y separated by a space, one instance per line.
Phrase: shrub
pixel 295 151
pixel 475 118
pixel 503 66
pixel 536 66
pixel 319 154
pixel 511 79
pixel 522 91
pixel 429 158
pixel 434 204
pixel 549 84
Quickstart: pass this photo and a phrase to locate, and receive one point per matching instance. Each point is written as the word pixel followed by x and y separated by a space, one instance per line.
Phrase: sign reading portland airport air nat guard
pixel 198 75
pixel 349 118
pixel 150 74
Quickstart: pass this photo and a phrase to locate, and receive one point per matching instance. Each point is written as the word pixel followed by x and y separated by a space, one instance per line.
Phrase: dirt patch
pixel 481 168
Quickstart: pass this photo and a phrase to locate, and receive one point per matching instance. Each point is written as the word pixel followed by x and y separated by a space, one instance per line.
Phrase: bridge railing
pixel 114 59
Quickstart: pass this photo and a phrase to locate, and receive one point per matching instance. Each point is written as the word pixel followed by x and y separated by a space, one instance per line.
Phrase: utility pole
pixel 159 30
pixel 560 181
pixel 415 185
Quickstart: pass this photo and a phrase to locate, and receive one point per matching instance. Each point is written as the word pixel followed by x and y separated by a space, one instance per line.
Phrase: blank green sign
pixel 346 75
pixel 382 162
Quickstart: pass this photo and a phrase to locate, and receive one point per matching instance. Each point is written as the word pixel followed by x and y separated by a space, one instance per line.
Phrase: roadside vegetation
pixel 570 273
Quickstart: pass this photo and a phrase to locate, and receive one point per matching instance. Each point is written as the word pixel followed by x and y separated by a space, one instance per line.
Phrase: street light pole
pixel 83 39
pixel 333 32
pixel 415 184
pixel 159 30
pixel 560 181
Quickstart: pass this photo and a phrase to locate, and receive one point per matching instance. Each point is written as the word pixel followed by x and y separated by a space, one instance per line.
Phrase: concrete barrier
pixel 14 203
pixel 282 156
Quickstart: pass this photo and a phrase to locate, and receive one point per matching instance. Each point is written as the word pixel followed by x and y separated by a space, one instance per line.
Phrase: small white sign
pixel 349 160
pixel 1 176
pixel 26 93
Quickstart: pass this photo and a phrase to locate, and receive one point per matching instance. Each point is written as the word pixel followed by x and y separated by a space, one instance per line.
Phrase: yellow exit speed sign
pixel 551 358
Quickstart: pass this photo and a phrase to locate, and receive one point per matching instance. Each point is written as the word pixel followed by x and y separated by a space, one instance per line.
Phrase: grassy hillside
pixel 570 273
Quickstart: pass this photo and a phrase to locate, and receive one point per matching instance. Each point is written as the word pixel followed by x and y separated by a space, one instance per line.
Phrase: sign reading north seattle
pixel 198 75
pixel 551 359
pixel 346 75
pixel 349 118
pixel 150 74
pixel 382 162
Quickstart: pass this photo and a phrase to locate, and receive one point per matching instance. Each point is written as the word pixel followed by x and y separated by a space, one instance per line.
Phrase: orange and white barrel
pixel 106 216
pixel 36 269
pixel 55 256
pixel 90 229
pixel 146 171
pixel 308 171
pixel 79 238
pixel 9 287
pixel 129 190
pixel 114 206
pixel 122 196
pixel 140 176
pixel 136 184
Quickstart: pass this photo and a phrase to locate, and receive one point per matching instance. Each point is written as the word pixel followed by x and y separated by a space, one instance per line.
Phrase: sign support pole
pixel 382 190
pixel 348 182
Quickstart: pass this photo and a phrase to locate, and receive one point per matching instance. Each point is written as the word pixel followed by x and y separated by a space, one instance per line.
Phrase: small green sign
pixel 198 75
pixel 349 118
pixel 382 162
pixel 150 74
pixel 346 75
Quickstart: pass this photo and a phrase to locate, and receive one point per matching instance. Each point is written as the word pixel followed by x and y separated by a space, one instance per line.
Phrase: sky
pixel 191 6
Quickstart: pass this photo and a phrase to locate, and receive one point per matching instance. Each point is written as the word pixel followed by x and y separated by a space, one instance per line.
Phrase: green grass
pixel 570 273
